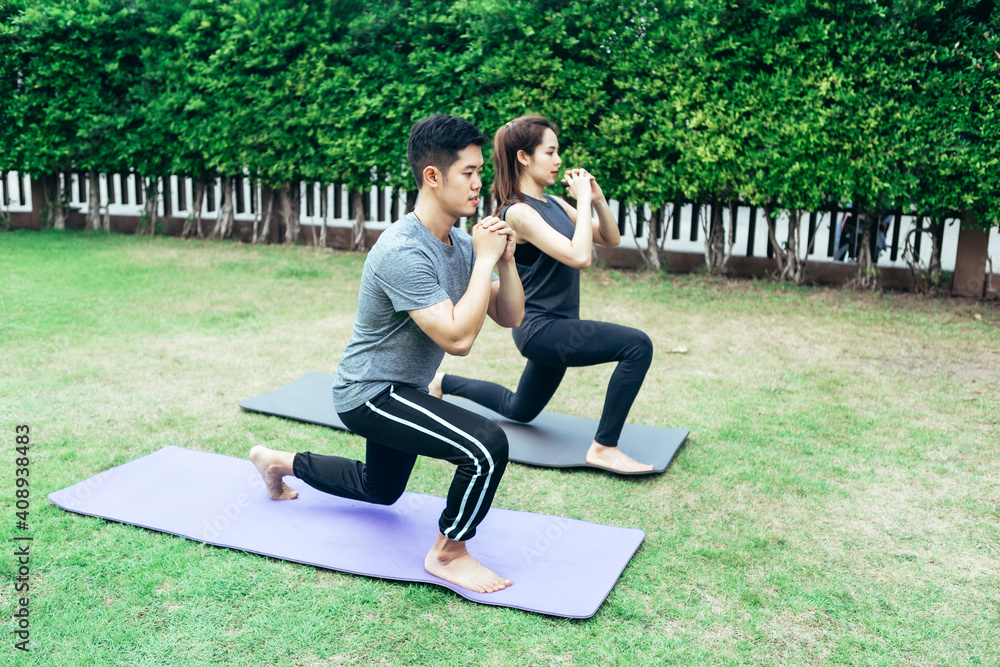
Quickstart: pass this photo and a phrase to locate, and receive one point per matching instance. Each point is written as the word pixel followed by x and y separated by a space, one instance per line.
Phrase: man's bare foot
pixel 273 466
pixel 435 386
pixel 451 561
pixel 614 458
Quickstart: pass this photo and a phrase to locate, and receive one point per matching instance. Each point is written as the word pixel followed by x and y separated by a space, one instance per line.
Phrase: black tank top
pixel 551 289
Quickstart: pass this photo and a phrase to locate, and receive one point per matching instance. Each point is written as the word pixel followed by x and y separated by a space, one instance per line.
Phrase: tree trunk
pixel 795 265
pixel 266 216
pixel 224 218
pixel 866 269
pixel 47 219
pixel 919 282
pixel 199 200
pixel 62 209
pixel 937 236
pixel 192 225
pixel 780 256
pixel 106 215
pixel 94 195
pixel 292 208
pixel 323 211
pixel 358 228
pixel 255 198
pixel 651 253
pixel 188 228
pixel 151 187
pixel 791 266
pixel 867 277
pixel 411 201
pixel 715 235
pixel 925 281
pixel 53 211
pixel 733 211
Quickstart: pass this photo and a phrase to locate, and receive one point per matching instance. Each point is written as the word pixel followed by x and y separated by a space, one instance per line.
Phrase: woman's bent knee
pixel 524 413
pixel 642 346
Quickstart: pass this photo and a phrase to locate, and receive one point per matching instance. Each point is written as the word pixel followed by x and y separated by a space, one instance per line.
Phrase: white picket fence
pixel 15 193
pixel 122 195
pixel 827 225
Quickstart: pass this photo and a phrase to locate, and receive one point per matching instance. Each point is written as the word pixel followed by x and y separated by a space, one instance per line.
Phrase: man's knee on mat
pixel 385 496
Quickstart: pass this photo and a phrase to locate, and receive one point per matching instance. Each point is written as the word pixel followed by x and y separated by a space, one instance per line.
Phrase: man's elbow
pixel 582 262
pixel 459 347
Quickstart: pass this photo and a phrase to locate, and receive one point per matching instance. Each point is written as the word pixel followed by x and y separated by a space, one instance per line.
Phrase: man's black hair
pixel 437 140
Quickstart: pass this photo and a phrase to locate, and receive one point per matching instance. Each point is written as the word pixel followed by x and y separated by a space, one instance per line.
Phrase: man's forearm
pixel 470 311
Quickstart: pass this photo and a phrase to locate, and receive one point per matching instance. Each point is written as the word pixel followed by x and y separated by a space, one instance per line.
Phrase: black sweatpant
pixel 400 424
pixel 559 344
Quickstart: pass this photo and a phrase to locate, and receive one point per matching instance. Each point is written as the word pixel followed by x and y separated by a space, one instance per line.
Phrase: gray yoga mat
pixel 551 440
pixel 559 566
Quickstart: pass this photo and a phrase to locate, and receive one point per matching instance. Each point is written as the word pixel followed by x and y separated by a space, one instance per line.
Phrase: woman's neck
pixel 531 188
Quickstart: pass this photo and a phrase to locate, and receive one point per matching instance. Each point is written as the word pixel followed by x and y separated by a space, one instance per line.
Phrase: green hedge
pixel 790 104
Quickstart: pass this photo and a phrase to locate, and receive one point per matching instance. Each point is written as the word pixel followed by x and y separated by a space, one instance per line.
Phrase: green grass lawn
pixel 837 502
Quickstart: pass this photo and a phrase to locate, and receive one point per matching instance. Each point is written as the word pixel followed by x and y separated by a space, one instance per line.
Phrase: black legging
pixel 557 345
pixel 400 424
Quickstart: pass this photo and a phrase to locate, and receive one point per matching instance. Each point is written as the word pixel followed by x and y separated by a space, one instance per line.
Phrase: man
pixel 426 289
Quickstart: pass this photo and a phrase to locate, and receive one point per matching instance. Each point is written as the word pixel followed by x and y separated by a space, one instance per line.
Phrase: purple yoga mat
pixel 562 567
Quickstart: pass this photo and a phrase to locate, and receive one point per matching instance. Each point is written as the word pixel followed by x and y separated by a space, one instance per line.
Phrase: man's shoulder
pixel 396 242
pixel 396 233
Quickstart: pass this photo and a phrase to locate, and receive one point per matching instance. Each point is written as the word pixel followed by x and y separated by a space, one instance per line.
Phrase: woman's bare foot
pixel 435 386
pixel 614 458
pixel 451 561
pixel 273 466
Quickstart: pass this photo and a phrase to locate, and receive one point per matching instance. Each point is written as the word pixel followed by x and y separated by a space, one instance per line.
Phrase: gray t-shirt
pixel 408 268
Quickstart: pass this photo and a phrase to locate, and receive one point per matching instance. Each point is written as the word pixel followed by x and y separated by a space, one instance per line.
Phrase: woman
pixel 555 241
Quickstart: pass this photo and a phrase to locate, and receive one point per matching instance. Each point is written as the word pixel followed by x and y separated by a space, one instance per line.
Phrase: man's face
pixel 462 182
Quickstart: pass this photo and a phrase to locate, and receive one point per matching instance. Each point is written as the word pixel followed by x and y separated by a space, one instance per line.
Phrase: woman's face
pixel 543 166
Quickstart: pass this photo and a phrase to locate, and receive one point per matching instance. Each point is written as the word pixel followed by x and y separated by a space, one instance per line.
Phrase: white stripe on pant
pixel 400 424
